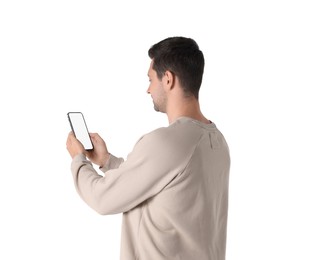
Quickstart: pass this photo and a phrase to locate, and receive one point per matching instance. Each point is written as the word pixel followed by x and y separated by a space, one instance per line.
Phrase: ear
pixel 168 80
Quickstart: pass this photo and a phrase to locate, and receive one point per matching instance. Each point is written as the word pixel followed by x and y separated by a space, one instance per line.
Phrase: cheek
pixel 155 88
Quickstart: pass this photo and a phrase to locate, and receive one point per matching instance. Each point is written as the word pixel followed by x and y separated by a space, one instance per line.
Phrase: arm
pixel 148 169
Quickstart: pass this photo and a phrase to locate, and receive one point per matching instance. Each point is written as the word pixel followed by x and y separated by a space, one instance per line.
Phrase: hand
pixel 74 146
pixel 99 155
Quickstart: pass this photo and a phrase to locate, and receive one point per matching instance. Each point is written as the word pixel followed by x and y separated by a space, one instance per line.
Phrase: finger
pixel 93 135
pixel 68 143
pixel 71 138
pixel 68 139
pixel 70 135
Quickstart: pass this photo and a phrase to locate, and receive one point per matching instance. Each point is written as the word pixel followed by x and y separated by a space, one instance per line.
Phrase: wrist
pixel 105 160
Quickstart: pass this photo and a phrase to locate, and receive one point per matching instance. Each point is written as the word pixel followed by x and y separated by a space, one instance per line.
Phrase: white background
pixel 91 56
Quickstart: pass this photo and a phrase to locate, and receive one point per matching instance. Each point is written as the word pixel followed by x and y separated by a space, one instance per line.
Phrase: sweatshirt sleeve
pixel 148 169
pixel 112 163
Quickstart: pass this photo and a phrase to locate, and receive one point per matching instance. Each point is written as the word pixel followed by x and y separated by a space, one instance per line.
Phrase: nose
pixel 148 90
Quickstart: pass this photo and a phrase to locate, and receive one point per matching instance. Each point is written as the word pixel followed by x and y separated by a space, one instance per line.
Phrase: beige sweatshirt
pixel 172 189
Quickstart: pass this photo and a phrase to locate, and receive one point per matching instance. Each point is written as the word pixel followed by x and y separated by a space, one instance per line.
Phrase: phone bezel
pixel 72 128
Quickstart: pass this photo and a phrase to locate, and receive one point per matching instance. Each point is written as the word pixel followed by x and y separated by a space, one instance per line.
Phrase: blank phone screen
pixel 79 129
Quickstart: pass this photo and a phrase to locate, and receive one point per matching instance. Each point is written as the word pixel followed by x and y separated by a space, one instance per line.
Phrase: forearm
pixel 93 188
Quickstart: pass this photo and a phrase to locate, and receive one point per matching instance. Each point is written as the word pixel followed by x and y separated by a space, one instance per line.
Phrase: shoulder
pixel 180 134
pixel 174 143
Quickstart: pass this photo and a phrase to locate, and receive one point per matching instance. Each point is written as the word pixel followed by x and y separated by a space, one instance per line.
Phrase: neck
pixel 185 107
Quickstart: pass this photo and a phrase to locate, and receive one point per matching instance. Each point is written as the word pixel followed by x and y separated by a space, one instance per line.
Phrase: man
pixel 173 187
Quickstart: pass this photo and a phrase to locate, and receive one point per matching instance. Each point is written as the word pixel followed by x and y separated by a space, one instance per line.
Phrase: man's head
pixel 182 58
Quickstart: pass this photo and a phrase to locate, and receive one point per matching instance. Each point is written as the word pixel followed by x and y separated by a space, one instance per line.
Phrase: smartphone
pixel 79 128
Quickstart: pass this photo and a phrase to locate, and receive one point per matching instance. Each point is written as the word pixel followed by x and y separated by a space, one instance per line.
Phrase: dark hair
pixel 182 57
